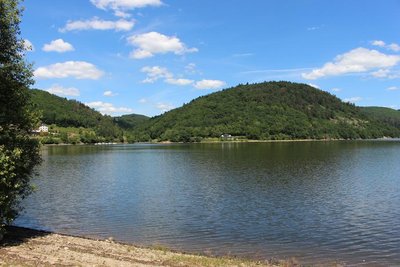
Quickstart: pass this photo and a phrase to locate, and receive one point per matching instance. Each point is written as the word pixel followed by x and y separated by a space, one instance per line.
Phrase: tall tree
pixel 18 153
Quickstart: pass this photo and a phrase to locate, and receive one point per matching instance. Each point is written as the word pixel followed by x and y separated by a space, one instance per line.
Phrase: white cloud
pixel 154 73
pixel 353 99
pixel 274 74
pixel 108 108
pixel 314 85
pixel 151 43
pixel 75 69
pixel 109 93
pixel 382 73
pixel 378 43
pixel 336 89
pixel 124 4
pixel 180 82
pixel 62 91
pixel 243 55
pixel 98 24
pixel 209 84
pixel 355 61
pixel 122 14
pixel 28 46
pixel 393 88
pixel 191 68
pixel 386 73
pixel 164 107
pixel 393 46
pixel 143 101
pixel 313 28
pixel 139 54
pixel 58 46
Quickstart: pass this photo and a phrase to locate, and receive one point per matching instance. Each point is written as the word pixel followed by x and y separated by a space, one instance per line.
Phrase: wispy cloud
pixel 353 99
pixel 267 71
pixel 117 5
pixel 63 91
pixel 191 69
pixel 314 28
pixel 164 107
pixel 243 55
pixel 386 74
pixel 273 74
pixel 109 93
pixel 155 73
pixel 98 24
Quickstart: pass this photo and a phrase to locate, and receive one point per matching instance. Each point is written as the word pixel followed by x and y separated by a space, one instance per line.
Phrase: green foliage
pixel 18 153
pixel 387 115
pixel 71 113
pixel 269 110
pixel 131 121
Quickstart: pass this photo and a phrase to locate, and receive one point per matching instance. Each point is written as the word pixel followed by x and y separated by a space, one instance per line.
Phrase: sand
pixel 26 247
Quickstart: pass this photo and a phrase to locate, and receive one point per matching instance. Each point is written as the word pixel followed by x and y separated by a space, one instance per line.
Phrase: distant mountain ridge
pixel 265 111
pixel 269 110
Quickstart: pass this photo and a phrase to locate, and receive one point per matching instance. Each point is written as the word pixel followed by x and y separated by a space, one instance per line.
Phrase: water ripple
pixel 319 202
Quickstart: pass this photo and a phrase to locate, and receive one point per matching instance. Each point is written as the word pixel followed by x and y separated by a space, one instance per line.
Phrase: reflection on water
pixel 316 201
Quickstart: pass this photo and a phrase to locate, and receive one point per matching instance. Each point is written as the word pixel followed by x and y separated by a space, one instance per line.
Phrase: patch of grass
pixel 161 247
pixel 197 261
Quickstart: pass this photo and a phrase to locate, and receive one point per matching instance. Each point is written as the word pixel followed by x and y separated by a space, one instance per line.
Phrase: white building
pixel 42 129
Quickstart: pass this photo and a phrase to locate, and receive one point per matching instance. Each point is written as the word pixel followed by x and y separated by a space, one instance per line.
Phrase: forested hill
pixel 269 110
pixel 71 113
pixel 387 115
pixel 64 112
pixel 130 121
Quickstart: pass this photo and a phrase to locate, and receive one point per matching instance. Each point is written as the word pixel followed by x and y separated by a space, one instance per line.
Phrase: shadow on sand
pixel 16 235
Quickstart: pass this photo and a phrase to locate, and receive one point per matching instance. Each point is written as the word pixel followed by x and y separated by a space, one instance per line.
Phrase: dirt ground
pixel 26 247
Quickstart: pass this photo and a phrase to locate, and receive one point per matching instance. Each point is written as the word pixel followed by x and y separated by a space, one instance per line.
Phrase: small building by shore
pixel 43 128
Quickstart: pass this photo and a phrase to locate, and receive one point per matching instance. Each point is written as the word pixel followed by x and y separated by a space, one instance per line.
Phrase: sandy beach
pixel 27 247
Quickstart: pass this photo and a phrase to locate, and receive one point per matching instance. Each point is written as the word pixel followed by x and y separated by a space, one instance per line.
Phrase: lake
pixel 319 202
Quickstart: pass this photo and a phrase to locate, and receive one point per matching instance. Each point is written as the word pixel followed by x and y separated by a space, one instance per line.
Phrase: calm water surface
pixel 317 201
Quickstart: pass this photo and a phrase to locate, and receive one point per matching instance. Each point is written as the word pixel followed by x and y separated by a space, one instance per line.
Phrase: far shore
pixel 232 141
pixel 28 247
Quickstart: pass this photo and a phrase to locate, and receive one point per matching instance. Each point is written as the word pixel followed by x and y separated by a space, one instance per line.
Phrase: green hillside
pixel 270 110
pixel 131 121
pixel 71 113
pixel 64 112
pixel 387 115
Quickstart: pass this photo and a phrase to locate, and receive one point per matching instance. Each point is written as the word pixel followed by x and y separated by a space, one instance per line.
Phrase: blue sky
pixel 149 56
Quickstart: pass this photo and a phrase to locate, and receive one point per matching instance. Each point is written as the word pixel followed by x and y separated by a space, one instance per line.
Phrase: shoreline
pixel 29 247
pixel 230 141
